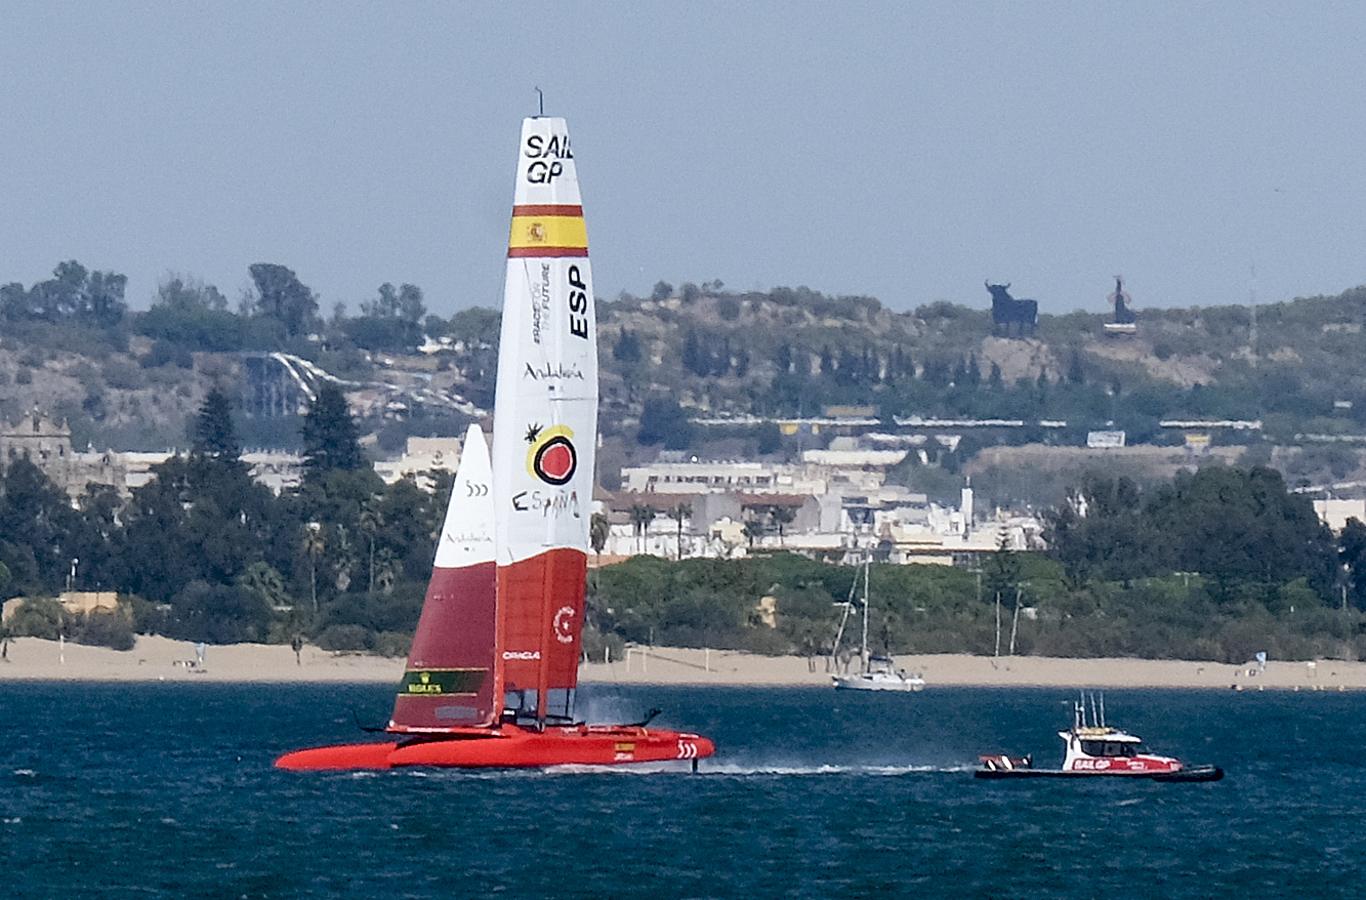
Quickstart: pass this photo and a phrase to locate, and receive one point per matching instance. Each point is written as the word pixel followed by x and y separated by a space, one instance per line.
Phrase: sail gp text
pixel 547 155
pixel 550 505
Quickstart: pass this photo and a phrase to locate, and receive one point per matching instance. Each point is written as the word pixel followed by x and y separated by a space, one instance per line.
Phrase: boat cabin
pixel 881 664
pixel 1102 748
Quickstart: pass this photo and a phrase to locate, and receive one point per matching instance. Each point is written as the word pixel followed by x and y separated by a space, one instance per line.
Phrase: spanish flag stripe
pixel 547 231
pixel 548 209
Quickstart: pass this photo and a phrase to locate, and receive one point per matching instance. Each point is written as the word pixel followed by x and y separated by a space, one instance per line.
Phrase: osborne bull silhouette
pixel 1007 311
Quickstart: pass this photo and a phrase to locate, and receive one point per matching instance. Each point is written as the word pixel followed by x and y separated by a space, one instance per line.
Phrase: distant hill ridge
pixel 118 376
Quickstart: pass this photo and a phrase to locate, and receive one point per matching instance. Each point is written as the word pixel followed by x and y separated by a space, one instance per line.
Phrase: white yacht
pixel 876 673
pixel 880 674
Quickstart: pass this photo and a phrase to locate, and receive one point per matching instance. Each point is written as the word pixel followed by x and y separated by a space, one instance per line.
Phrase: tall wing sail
pixel 450 678
pixel 545 426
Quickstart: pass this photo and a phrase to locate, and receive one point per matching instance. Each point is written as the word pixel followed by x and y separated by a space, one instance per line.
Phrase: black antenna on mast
pixel 540 102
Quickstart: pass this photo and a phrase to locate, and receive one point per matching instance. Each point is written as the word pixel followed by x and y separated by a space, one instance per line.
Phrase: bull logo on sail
pixel 551 456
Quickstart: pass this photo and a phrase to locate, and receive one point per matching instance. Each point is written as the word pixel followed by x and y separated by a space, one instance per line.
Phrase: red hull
pixel 510 747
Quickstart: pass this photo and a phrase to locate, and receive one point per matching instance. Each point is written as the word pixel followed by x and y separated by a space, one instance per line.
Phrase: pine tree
pixel 783 358
pixel 1076 374
pixel 213 435
pixel 694 358
pixel 329 434
pixel 742 364
pixel 995 380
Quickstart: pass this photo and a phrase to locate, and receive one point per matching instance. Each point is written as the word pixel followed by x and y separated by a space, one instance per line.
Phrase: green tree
pixel 1352 554
pixel 1002 571
pixel 782 516
pixel 213 435
pixel 184 294
pixel 641 517
pixel 282 297
pixel 38 528
pixel 598 532
pixel 770 438
pixel 664 421
pixel 678 513
pixel 329 434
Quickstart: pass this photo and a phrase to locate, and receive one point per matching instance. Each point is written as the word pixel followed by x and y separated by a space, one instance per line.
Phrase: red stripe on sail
pixel 523 252
pixel 540 610
pixel 454 645
pixel 547 209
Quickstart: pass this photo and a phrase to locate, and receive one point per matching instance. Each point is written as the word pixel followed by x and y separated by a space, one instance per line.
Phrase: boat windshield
pixel 1108 748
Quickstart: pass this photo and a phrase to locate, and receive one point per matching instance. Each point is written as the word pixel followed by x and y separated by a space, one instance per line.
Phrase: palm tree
pixel 641 517
pixel 370 525
pixel 782 515
pixel 313 546
pixel 388 571
pixel 678 514
pixel 753 529
pixel 598 532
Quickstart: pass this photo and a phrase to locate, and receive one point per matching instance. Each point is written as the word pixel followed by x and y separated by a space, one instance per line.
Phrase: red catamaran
pixel 492 674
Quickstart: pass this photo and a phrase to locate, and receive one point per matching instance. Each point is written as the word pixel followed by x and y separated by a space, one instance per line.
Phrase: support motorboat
pixel 876 673
pixel 1093 749
pixel 492 674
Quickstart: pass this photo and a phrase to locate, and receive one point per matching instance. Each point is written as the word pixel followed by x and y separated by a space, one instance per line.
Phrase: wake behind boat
pixel 493 671
pixel 1095 749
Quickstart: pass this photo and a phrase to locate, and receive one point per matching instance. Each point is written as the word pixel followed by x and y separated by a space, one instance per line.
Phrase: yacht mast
pixel 867 562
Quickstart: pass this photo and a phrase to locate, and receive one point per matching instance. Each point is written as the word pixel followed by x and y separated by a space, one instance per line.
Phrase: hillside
pixel 130 379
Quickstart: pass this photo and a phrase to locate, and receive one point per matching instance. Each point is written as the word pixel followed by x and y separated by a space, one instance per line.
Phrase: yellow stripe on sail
pixel 531 232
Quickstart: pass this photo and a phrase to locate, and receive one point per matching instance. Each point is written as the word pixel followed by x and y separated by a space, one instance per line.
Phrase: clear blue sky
pixel 901 150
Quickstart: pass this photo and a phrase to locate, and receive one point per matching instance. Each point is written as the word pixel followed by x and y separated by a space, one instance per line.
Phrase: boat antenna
pixel 1102 710
pixel 1095 719
pixel 540 102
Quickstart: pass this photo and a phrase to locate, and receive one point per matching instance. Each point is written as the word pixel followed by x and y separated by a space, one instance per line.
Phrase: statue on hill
pixel 1125 320
pixel 1007 311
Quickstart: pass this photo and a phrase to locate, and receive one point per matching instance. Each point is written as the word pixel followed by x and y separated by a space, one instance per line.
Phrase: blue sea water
pixel 168 790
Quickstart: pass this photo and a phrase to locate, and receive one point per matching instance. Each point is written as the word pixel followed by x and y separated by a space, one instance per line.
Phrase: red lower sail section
pixel 540 601
pixel 449 678
pixel 510 747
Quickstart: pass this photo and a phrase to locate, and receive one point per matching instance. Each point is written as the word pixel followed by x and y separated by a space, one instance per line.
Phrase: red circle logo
pixel 556 460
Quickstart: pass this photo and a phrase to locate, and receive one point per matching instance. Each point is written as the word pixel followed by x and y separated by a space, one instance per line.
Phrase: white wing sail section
pixel 545 414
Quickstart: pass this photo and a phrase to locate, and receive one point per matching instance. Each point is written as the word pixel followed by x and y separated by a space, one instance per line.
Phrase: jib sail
pixel 450 678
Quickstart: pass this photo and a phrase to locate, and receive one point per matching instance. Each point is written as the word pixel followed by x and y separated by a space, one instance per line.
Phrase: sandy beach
pixel 162 659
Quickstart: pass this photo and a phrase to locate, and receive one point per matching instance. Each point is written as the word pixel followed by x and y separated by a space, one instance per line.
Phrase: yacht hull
pixel 509 747
pixel 854 683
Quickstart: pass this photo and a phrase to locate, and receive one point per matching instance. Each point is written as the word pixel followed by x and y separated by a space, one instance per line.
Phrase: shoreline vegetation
pixel 1221 564
pixel 159 659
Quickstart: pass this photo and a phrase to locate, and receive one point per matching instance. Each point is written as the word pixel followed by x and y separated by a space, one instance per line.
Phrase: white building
pixel 420 456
